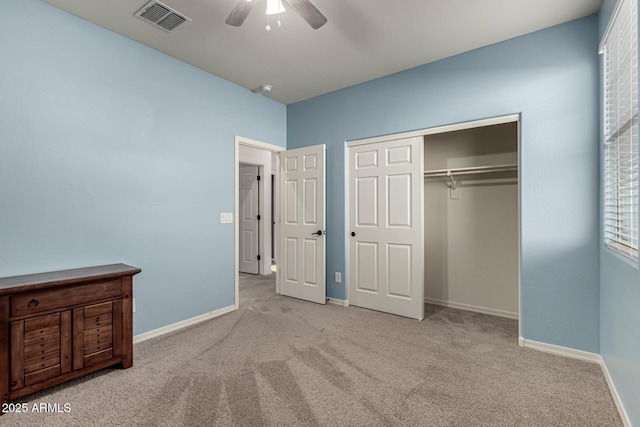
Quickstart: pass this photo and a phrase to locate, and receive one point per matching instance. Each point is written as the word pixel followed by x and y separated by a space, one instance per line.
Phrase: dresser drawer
pixel 50 299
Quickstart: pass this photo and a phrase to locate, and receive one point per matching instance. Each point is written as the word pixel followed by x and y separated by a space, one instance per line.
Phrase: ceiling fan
pixel 304 8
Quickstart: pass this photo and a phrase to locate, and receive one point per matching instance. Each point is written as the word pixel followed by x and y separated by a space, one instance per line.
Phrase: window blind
pixel 620 49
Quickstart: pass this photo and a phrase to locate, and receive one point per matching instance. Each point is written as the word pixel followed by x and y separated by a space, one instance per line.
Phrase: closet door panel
pixel 399 200
pixel 399 270
pixel 386 227
pixel 366 159
pixel 401 155
pixel 366 199
pixel 366 276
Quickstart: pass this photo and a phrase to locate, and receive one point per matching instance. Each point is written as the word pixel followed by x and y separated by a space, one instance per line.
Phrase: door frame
pixel 509 118
pixel 238 141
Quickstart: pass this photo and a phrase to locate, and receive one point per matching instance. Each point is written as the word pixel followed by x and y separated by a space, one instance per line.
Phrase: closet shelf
pixel 471 170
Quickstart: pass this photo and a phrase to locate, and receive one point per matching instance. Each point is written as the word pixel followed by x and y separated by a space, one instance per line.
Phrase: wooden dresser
pixel 60 325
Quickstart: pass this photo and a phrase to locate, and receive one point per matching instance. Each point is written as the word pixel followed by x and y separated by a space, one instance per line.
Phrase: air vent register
pixel 162 16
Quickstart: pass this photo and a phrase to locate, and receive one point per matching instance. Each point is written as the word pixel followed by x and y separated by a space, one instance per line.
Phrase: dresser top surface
pixel 10 285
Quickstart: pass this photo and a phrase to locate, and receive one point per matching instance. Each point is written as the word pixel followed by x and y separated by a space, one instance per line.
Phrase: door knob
pixel 353 234
pixel 319 233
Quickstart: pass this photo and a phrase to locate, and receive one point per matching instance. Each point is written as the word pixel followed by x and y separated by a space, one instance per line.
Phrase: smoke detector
pixel 263 89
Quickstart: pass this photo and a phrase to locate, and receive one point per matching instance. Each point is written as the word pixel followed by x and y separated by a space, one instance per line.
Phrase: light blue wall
pixel 620 311
pixel 113 152
pixel 101 163
pixel 551 78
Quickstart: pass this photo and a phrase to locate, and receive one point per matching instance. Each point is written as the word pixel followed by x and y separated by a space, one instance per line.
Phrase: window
pixel 620 49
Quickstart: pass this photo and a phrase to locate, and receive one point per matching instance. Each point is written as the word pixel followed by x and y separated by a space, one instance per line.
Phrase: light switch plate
pixel 226 218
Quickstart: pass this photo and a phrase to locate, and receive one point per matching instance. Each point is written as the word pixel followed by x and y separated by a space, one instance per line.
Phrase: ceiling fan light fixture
pixel 304 8
pixel 274 7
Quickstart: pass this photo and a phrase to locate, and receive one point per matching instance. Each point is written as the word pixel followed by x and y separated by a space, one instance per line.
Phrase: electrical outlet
pixel 338 278
pixel 134 305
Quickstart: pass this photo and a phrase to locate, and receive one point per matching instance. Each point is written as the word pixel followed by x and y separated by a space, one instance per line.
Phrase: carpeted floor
pixel 283 362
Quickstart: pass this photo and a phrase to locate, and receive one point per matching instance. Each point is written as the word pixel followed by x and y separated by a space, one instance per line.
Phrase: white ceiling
pixel 363 39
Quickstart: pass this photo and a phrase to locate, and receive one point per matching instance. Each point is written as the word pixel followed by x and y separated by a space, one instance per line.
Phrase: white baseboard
pixel 586 356
pixel 182 324
pixel 560 351
pixel 340 302
pixel 614 394
pixel 468 307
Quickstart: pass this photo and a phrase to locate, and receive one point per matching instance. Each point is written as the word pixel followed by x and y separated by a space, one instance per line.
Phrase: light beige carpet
pixel 282 362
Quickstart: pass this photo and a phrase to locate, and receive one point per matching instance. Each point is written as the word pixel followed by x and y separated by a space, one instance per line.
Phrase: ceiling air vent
pixel 161 15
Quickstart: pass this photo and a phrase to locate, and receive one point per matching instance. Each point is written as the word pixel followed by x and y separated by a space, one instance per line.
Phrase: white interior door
pixel 249 238
pixel 301 261
pixel 386 241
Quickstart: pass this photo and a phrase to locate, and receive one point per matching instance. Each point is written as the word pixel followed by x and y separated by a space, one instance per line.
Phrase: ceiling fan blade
pixel 308 12
pixel 239 13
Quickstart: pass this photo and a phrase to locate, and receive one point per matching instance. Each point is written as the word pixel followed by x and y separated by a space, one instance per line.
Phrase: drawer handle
pixel 33 303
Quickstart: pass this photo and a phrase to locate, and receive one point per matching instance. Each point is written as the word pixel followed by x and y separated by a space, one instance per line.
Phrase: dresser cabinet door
pixel 40 349
pixel 97 333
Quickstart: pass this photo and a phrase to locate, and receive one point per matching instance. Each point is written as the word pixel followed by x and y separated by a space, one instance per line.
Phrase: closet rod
pixel 468 171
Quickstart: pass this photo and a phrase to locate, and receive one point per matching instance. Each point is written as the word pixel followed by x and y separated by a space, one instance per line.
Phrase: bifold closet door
pixel 386 241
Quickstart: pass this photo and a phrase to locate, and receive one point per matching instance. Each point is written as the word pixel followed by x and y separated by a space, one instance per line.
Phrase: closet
pixel 432 216
pixel 471 219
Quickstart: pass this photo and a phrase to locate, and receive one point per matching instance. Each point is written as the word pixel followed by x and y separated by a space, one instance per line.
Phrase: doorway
pixel 263 157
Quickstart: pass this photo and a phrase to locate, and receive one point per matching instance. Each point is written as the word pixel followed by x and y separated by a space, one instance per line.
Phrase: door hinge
pixel 258 257
pixel 258 177
pixel 258 217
